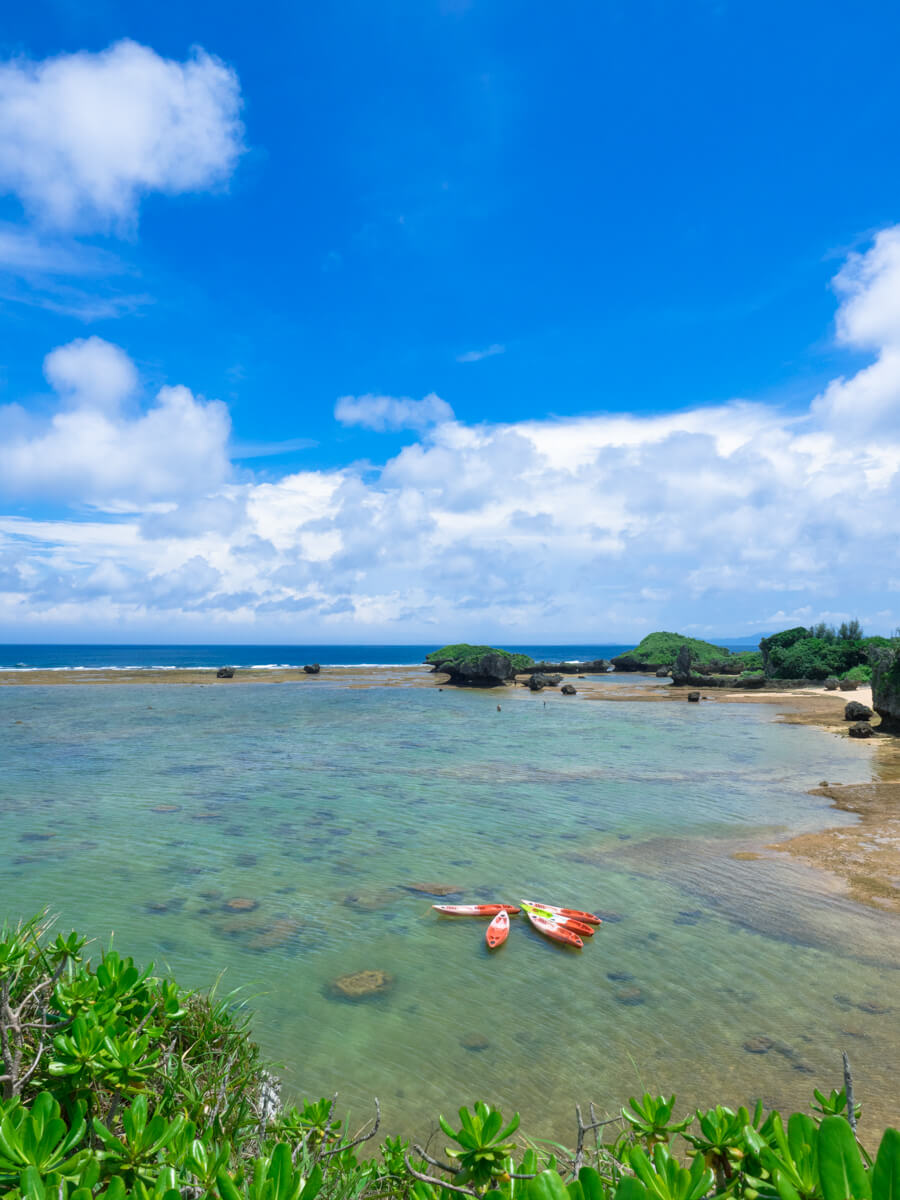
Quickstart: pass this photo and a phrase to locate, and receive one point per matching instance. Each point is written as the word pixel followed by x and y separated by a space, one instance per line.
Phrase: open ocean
pixel 111 658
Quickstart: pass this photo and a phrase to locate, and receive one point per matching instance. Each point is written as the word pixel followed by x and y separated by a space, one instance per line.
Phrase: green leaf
pixel 886 1172
pixel 630 1189
pixel 841 1171
pixel 591 1184
pixel 546 1186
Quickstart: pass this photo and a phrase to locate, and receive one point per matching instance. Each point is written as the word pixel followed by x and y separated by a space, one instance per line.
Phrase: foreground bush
pixel 120 1085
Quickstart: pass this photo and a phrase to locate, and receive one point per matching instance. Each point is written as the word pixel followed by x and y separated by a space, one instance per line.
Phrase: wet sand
pixel 862 856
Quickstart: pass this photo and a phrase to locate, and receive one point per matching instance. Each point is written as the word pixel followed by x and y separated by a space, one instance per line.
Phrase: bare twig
pixel 848 1088
pixel 363 1137
pixel 451 1187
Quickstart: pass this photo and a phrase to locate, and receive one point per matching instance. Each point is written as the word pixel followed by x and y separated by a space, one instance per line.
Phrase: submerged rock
pixel 630 996
pixel 361 985
pixel 276 935
pixel 474 1042
pixel 241 904
pixel 370 901
pixel 758 1045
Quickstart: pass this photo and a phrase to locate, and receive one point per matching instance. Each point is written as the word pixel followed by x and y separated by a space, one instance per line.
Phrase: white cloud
pixel 93 453
pixel 471 356
pixel 392 412
pixel 726 519
pixel 90 373
pixel 84 136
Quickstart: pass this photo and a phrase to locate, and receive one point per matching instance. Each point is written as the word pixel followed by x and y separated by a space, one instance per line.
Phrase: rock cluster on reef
pixel 539 680
pixel 885 662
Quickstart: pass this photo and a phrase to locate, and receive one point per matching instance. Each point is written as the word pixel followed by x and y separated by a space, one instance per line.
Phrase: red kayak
pixel 555 931
pixel 476 910
pixel 498 930
pixel 575 914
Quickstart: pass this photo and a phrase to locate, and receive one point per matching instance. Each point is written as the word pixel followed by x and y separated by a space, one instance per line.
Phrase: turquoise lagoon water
pixel 325 803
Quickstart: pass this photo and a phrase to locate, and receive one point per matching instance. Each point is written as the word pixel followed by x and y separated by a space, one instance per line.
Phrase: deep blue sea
pixel 99 657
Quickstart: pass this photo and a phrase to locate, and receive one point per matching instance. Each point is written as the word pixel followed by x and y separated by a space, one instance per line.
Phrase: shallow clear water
pixel 323 804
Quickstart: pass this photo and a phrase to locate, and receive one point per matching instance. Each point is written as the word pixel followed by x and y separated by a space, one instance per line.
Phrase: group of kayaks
pixel 566 925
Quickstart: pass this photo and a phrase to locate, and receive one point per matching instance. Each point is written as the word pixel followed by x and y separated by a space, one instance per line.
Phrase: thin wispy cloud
pixel 471 356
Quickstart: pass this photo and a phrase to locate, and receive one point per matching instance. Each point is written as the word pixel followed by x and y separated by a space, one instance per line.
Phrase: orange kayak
pixel 554 931
pixel 498 930
pixel 574 914
pixel 476 910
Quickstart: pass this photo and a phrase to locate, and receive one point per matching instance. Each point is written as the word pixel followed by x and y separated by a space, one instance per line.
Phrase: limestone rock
pixel 831 683
pixel 862 729
pixel 693 697
pixel 885 662
pixel 568 690
pixel 854 711
pixel 312 668
pixel 225 673
pixel 434 889
pixel 848 685
pixel 539 680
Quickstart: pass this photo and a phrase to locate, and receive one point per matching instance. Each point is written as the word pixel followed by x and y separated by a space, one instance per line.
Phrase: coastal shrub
pixel 661 649
pixel 861 673
pixel 120 1085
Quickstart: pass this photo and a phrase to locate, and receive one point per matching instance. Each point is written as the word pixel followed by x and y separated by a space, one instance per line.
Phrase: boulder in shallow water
pixel 854 711
pixel 362 985
pixel 861 729
pixel 568 690
pixel 693 697
pixel 312 668
pixel 540 680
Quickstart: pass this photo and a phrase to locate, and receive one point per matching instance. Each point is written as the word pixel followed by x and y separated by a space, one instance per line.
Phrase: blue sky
pixel 555 219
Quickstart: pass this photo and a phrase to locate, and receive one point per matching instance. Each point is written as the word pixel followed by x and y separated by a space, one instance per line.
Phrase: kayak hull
pixel 580 927
pixel 556 933
pixel 574 914
pixel 498 930
pixel 476 910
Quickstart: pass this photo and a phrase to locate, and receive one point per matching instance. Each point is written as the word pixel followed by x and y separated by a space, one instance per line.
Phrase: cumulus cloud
pixel 91 451
pixel 84 136
pixel 714 520
pixel 392 412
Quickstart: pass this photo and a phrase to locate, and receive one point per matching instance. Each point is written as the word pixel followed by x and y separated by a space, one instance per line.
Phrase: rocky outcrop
pixel 848 685
pixel 694 697
pixel 568 690
pixel 854 711
pixel 681 671
pixel 539 681
pixel 885 661
pixel 225 673
pixel 480 666
pixel 312 668
pixel 831 683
